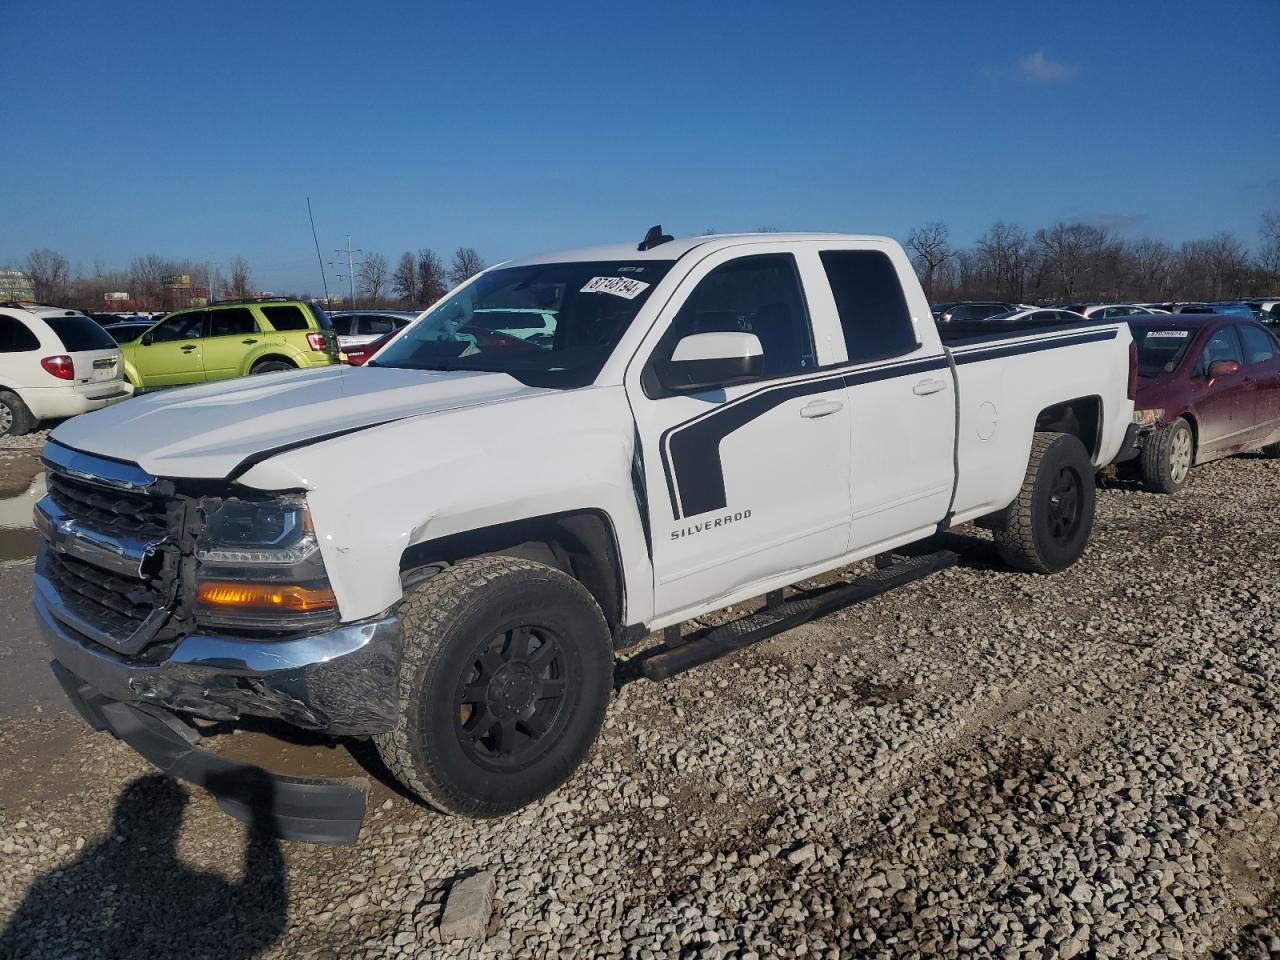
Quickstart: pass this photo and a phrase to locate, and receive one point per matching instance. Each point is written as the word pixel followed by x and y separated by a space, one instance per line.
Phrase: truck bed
pixel 962 332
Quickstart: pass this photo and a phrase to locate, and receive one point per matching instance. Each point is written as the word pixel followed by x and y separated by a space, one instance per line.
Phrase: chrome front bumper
pixel 342 682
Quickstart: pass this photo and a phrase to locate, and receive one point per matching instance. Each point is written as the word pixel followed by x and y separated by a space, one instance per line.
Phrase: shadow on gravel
pixel 129 896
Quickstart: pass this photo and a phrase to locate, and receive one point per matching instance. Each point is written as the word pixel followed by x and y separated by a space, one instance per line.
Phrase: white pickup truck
pixel 443 549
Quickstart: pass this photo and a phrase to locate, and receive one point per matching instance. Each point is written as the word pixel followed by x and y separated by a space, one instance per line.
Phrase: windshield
pixel 547 325
pixel 1161 349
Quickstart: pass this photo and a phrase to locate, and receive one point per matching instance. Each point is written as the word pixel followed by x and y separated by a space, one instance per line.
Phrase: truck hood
pixel 208 431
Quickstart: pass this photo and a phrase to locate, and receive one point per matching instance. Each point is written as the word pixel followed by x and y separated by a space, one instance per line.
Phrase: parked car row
pixel 1263 310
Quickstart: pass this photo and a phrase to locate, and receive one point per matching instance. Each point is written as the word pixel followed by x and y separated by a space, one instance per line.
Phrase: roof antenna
pixel 654 237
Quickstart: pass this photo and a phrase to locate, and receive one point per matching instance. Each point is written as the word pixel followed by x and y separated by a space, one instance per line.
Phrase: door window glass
pixel 1258 346
pixel 181 326
pixel 1223 345
pixel 873 310
pixel 232 321
pixel 373 325
pixel 759 295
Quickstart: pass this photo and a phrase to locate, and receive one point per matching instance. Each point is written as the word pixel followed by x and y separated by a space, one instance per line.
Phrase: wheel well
pixel 271 358
pixel 1195 434
pixel 1082 418
pixel 582 544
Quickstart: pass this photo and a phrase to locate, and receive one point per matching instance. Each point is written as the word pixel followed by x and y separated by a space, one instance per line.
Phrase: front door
pixel 1225 404
pixel 231 336
pixel 174 354
pixel 750 481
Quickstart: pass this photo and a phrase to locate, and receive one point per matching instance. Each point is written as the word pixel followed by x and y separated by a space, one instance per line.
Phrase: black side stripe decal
pixel 690 450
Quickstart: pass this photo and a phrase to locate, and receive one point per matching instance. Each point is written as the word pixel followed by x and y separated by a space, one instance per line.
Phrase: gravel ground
pixel 980 764
pixel 28 441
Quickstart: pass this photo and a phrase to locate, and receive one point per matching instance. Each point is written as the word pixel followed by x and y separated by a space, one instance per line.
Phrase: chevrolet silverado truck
pixel 444 549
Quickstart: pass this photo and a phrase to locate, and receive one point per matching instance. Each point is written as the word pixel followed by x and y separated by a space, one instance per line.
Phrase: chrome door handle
pixel 820 408
pixel 926 387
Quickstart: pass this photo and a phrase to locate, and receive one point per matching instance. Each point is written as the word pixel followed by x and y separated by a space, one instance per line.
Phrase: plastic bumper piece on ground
pixel 290 808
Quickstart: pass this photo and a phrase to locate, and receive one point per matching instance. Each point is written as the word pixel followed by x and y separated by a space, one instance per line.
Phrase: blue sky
pixel 199 130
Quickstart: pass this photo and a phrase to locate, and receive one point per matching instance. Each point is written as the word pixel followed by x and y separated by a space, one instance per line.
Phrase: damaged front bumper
pixel 342 682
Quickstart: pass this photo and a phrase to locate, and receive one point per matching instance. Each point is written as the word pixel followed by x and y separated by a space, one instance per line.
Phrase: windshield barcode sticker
pixel 618 286
pixel 1167 333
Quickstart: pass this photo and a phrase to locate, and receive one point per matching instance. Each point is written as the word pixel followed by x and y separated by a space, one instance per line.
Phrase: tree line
pixel 418 280
pixel 1082 262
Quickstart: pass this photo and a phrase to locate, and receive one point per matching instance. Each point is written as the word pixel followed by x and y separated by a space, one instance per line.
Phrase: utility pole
pixel 351 270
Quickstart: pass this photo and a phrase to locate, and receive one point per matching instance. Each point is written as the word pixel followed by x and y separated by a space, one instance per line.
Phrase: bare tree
pixel 1228 264
pixel 1148 264
pixel 50 275
pixel 404 280
pixel 467 262
pixel 146 276
pixel 1269 252
pixel 1004 255
pixel 240 285
pixel 433 282
pixel 373 276
pixel 930 245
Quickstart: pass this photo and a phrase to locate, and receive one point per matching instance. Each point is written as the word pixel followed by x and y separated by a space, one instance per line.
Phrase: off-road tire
pixel 447 621
pixel 1156 464
pixel 1271 451
pixel 15 418
pixel 1032 534
pixel 272 366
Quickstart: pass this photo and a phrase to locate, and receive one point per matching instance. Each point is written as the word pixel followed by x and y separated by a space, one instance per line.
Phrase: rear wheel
pixel 15 418
pixel 1167 456
pixel 1271 450
pixel 1047 527
pixel 506 675
pixel 272 366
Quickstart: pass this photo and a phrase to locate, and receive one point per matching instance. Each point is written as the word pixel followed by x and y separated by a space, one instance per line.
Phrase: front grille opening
pixel 116 512
pixel 113 604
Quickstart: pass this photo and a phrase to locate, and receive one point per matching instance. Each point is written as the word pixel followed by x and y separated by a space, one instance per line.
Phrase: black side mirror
pixel 147 339
pixel 703 361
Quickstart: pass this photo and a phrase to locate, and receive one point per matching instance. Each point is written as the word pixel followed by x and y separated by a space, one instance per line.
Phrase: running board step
pixel 669 660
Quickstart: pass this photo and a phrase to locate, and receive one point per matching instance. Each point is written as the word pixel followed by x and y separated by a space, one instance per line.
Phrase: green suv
pixel 231 340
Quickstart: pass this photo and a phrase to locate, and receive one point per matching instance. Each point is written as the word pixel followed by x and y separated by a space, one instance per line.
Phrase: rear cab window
pixel 873 309
pixel 79 333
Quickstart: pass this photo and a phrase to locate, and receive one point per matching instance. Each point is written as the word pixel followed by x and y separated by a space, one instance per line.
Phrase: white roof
pixel 674 249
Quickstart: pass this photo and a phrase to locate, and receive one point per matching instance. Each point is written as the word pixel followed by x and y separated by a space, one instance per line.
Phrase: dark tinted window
pixel 80 333
pixel 231 321
pixel 126 332
pixel 1223 345
pixel 373 325
pixel 873 310
pixel 1258 346
pixel 344 325
pixel 287 317
pixel 180 326
pixel 16 336
pixel 322 318
pixel 759 295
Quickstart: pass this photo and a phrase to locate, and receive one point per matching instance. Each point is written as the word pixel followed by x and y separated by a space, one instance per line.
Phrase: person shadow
pixel 130 896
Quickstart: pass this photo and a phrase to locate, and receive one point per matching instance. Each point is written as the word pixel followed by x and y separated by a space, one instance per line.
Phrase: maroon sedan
pixel 1208 387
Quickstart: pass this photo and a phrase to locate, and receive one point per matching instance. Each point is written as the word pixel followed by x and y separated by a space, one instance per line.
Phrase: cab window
pixel 760 295
pixel 231 322
pixel 181 326
pixel 873 310
pixel 286 317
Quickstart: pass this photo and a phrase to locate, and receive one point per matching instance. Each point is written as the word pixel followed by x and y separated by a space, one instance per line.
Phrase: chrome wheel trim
pixel 1180 455
pixel 6 419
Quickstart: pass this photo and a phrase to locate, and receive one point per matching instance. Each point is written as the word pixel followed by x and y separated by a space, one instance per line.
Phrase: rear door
pixel 901 397
pixel 174 351
pixel 749 482
pixel 1225 404
pixel 232 333
pixel 1262 367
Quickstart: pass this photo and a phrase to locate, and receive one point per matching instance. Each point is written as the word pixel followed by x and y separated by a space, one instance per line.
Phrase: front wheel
pixel 1167 456
pixel 1047 527
pixel 506 675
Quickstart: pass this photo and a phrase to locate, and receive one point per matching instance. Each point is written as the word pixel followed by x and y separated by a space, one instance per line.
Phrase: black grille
pixel 116 512
pixel 113 604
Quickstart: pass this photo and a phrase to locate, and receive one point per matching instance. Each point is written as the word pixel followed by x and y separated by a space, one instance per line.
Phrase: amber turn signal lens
pixel 265 596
